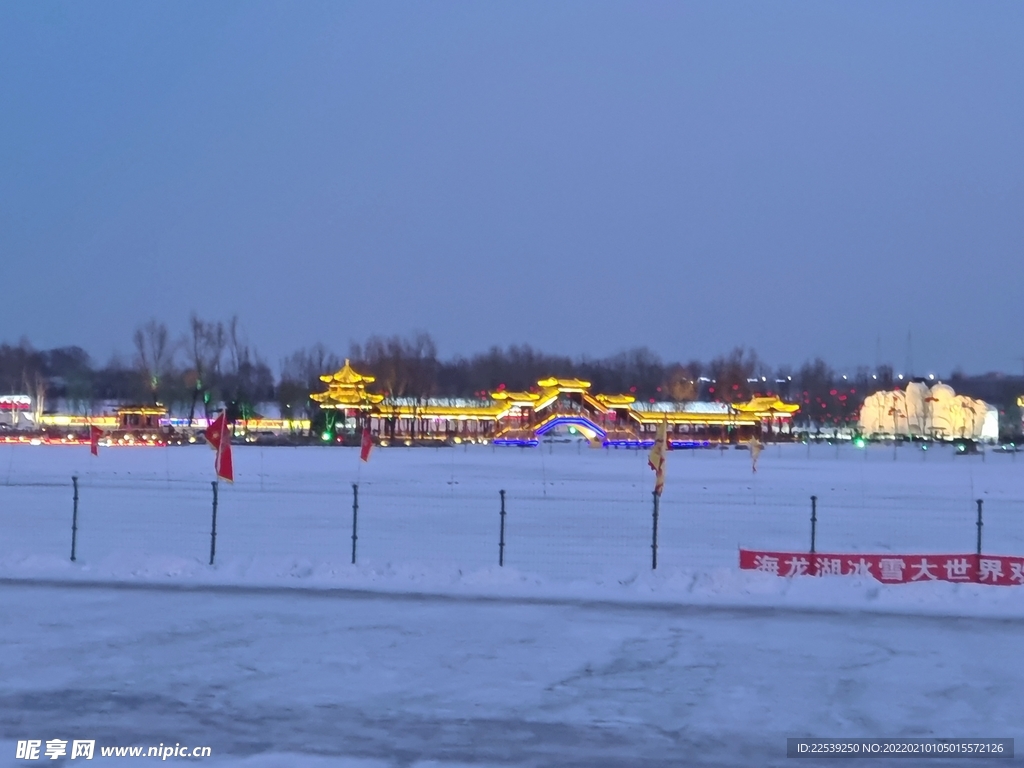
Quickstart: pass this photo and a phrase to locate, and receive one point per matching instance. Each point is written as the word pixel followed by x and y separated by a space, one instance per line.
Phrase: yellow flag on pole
pixel 656 458
pixel 755 451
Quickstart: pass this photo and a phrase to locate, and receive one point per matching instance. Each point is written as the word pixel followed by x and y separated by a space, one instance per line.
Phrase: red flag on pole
pixel 366 445
pixel 218 437
pixel 95 433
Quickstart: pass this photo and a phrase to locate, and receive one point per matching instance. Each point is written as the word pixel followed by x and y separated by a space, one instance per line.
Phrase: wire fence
pixel 571 512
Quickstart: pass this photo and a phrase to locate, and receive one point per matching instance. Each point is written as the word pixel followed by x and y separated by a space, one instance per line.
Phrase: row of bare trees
pixel 211 364
pixel 199 370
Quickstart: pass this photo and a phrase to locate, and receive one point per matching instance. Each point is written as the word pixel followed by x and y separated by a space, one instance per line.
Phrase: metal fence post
pixel 501 537
pixel 213 526
pixel 654 536
pixel 979 527
pixel 355 515
pixel 74 518
pixel 814 520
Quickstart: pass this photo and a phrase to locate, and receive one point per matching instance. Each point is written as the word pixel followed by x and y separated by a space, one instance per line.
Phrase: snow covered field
pixel 573 512
pixel 426 653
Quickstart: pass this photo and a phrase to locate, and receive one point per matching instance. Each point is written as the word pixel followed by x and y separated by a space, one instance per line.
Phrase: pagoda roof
pixel 564 385
pixel 550 389
pixel 516 398
pixel 766 405
pixel 346 388
pixel 346 398
pixel 347 375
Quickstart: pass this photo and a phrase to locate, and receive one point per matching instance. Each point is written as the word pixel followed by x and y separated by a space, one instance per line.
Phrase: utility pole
pixel 910 357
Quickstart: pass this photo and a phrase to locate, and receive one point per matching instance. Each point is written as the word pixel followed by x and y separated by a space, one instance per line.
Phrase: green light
pixel 572 430
pixel 325 436
pixel 859 442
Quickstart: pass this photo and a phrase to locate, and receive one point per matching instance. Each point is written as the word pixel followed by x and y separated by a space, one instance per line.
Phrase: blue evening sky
pixel 801 178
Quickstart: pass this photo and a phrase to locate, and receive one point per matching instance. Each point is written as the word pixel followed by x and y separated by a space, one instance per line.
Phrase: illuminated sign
pixel 15 402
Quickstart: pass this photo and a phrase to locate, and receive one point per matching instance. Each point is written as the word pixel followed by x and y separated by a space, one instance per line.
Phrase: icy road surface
pixel 307 678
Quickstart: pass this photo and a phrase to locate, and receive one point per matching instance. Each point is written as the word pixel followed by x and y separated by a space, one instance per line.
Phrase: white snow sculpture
pixel 922 412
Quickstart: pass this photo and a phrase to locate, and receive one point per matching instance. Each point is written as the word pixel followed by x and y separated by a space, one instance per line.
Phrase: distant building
pixel 15 405
pixel 140 418
pixel 554 406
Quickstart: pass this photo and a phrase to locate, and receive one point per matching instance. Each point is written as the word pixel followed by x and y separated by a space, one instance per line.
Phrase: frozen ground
pixel 426 653
pixel 312 678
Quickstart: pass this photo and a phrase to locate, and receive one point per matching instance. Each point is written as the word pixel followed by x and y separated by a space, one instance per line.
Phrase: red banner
pixel 890 569
pixel 218 437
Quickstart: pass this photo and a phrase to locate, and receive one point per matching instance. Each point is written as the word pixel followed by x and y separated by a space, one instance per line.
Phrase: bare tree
pixel 732 373
pixel 205 345
pixel 154 354
pixel 403 366
pixel 680 383
pixel 35 385
pixel 236 347
pixel 815 381
pixel 300 377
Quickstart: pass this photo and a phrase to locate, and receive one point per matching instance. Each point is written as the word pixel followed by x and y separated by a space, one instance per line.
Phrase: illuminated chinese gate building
pixel 555 407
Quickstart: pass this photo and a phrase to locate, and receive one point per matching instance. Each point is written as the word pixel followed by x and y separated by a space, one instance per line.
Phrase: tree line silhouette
pixel 211 365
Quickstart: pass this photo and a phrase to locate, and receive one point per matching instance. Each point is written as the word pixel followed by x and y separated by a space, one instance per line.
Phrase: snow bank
pixel 663 589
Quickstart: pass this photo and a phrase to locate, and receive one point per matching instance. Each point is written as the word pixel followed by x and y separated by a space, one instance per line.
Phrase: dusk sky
pixel 800 178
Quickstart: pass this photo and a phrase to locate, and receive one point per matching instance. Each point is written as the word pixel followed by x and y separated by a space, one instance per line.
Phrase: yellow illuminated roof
pixel 343 399
pixel 67 420
pixel 346 388
pixel 142 410
pixel 766 405
pixel 550 389
pixel 564 385
pixel 466 412
pixel 516 398
pixel 347 376
pixel 688 417
pixel 615 400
